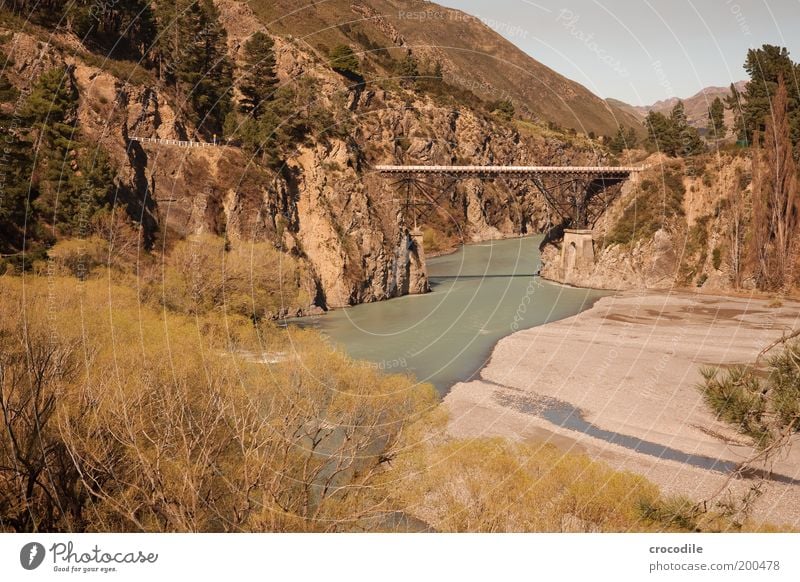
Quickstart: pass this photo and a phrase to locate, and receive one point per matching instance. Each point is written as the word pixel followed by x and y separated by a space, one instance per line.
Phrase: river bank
pixel 619 382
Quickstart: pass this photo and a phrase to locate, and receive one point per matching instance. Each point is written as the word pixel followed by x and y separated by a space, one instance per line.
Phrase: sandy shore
pixel 630 366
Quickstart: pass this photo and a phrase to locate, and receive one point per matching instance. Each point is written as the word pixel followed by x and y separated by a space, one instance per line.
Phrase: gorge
pixel 230 316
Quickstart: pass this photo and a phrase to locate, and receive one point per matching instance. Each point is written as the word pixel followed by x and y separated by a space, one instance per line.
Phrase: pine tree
pixel 210 72
pixel 632 138
pixel 438 73
pixel 51 107
pixel 504 109
pixel 716 119
pixel 8 93
pixel 16 175
pixel 685 138
pixel 344 61
pixel 766 66
pixel 192 54
pixel 72 186
pixel 619 142
pixel 408 69
pixel 734 102
pixel 660 133
pixel 125 29
pixel 260 79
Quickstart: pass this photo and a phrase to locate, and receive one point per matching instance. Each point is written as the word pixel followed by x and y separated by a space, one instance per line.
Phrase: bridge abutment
pixel 577 253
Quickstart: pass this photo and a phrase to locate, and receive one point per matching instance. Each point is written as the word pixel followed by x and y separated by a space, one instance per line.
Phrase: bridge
pixel 178 142
pixel 577 195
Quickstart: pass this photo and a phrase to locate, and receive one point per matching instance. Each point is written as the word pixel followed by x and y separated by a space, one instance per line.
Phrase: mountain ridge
pixel 498 70
pixel 696 105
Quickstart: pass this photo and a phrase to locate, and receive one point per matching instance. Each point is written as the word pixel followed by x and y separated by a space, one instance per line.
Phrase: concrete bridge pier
pixel 577 253
pixel 418 267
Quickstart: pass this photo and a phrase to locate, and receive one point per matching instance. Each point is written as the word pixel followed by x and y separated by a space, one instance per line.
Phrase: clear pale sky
pixel 641 51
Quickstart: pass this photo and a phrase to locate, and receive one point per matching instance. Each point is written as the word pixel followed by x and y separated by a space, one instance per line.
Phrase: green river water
pixel 480 294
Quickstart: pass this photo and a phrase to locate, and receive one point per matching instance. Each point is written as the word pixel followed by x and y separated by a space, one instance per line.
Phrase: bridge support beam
pixel 577 253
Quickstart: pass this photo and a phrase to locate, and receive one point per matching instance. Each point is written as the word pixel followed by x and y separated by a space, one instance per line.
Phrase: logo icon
pixel 31 555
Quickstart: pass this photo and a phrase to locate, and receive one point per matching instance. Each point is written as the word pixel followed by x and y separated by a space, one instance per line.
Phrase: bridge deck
pixel 609 171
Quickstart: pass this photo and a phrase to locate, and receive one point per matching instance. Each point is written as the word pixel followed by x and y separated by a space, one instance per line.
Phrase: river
pixel 479 294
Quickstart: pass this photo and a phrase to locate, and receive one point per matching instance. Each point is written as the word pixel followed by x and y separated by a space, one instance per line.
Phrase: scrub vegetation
pixel 120 415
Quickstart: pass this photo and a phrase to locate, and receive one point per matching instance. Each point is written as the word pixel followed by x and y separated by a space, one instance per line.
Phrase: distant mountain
pixel 472 55
pixel 696 106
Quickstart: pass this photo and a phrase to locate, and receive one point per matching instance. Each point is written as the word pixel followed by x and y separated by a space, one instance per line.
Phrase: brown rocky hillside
pixel 473 56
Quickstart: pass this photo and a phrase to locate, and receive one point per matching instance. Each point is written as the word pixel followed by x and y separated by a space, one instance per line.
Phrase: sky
pixel 642 51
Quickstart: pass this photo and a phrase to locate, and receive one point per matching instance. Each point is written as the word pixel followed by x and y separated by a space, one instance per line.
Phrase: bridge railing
pixel 178 142
pixel 501 170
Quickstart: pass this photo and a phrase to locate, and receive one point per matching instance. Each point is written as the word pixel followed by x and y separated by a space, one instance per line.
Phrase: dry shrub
pixel 254 280
pixel 493 485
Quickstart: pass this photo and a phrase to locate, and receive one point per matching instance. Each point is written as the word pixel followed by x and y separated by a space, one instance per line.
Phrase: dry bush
pixel 78 257
pixel 255 280
pixel 493 485
pixel 37 480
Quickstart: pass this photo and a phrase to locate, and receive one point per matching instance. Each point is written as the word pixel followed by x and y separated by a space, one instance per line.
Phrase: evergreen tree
pixel 619 142
pixel 72 186
pixel 734 102
pixel 344 61
pixel 408 69
pixel 631 138
pixel 125 29
pixel 716 120
pixel 192 54
pixel 438 73
pixel 685 138
pixel 8 93
pixel 504 109
pixel 776 200
pixel 260 79
pixel 660 133
pixel 51 108
pixel 15 178
pixel 766 66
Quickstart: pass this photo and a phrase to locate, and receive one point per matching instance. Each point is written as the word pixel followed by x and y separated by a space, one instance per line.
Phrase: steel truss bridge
pixel 577 195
